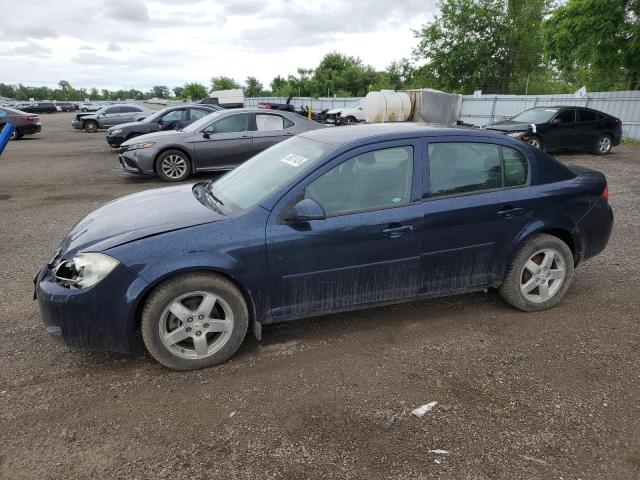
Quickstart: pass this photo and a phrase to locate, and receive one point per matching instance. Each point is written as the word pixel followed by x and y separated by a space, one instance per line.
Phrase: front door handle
pixel 510 212
pixel 395 231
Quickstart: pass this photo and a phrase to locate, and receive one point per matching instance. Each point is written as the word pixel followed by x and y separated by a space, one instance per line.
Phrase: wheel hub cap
pixel 196 325
pixel 542 275
pixel 174 166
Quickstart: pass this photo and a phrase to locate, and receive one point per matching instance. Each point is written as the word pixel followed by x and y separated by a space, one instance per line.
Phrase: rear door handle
pixel 395 232
pixel 510 212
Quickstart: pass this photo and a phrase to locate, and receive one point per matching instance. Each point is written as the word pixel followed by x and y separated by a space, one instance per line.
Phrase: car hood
pixel 85 115
pixel 509 126
pixel 333 111
pixel 137 216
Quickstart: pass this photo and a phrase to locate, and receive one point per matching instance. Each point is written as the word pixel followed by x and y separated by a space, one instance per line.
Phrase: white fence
pixel 487 109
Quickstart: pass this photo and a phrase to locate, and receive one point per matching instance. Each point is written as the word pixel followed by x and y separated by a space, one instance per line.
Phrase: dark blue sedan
pixel 327 221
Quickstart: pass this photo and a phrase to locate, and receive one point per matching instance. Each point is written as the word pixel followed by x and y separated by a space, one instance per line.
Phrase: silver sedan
pixel 219 141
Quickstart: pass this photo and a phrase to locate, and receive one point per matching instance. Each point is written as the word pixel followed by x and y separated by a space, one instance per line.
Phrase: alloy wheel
pixel 542 275
pixel 534 142
pixel 174 166
pixel 196 325
pixel 604 145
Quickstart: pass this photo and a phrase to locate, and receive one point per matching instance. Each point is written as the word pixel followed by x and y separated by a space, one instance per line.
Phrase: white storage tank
pixel 387 106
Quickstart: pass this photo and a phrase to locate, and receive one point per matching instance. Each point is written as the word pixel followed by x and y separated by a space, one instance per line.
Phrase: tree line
pixel 496 46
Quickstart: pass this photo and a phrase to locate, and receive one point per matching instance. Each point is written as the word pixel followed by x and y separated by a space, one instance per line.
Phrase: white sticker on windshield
pixel 294 160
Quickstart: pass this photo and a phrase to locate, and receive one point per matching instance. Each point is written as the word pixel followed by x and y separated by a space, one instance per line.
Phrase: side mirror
pixel 304 211
pixel 206 135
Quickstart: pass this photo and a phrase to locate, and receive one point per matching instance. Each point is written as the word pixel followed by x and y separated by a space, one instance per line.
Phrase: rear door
pixel 225 143
pixel 271 128
pixel 588 127
pixel 561 130
pixel 475 204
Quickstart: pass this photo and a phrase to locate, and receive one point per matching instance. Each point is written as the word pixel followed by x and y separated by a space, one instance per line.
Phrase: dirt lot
pixel 521 396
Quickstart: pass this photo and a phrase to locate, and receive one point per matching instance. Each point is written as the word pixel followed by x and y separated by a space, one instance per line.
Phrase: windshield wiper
pixel 209 190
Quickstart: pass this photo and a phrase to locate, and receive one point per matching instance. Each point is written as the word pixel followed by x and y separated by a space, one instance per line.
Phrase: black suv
pixel 40 107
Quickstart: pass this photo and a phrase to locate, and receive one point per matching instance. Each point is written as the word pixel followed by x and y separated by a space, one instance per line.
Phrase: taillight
pixel 30 118
pixel 605 193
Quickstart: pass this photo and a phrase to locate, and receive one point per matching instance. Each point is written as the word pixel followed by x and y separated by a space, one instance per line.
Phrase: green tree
pixel 160 91
pixel 178 91
pixel 596 42
pixel 482 44
pixel 194 91
pixel 253 88
pixel 223 83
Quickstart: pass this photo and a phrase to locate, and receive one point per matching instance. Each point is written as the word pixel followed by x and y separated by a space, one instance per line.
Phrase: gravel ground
pixel 521 396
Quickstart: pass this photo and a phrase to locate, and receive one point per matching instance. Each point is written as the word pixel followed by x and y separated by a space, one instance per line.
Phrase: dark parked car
pixel 25 123
pixel 40 107
pixel 220 141
pixel 109 116
pixel 557 128
pixel 172 118
pixel 327 221
pixel 66 106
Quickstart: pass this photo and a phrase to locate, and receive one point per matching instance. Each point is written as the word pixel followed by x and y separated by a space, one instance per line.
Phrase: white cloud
pixel 141 43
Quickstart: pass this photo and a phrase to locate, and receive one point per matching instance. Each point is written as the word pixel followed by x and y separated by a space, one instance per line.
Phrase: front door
pixel 225 143
pixel 475 208
pixel 367 248
pixel 561 131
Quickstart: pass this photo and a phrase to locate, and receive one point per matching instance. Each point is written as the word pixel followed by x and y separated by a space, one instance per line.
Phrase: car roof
pixel 383 131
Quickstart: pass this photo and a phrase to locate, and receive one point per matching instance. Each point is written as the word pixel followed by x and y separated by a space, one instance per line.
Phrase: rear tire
pixel 90 126
pixel 539 274
pixel 16 135
pixel 603 145
pixel 173 166
pixel 194 321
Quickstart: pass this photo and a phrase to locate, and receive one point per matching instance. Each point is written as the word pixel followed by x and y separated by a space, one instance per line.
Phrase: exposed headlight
pixel 137 146
pixel 84 270
pixel 117 131
pixel 515 134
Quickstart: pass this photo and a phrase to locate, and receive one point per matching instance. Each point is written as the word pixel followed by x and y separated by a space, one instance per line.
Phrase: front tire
pixel 350 120
pixel 539 274
pixel 90 126
pixel 194 321
pixel 603 145
pixel 536 142
pixel 173 166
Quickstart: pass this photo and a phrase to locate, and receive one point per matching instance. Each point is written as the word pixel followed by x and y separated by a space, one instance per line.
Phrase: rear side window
pixel 267 123
pixel 197 113
pixel 457 168
pixel 372 180
pixel 288 123
pixel 464 167
pixel 515 167
pixel 586 116
pixel 129 110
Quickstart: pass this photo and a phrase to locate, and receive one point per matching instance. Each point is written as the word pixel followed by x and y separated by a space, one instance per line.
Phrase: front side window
pixel 568 116
pixel 456 168
pixel 372 180
pixel 111 110
pixel 230 124
pixel 176 115
pixel 267 123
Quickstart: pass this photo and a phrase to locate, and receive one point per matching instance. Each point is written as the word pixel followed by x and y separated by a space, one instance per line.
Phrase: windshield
pixel 535 115
pixel 203 122
pixel 267 172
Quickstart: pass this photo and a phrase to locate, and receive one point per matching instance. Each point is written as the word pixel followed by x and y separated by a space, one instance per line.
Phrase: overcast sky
pixel 141 43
